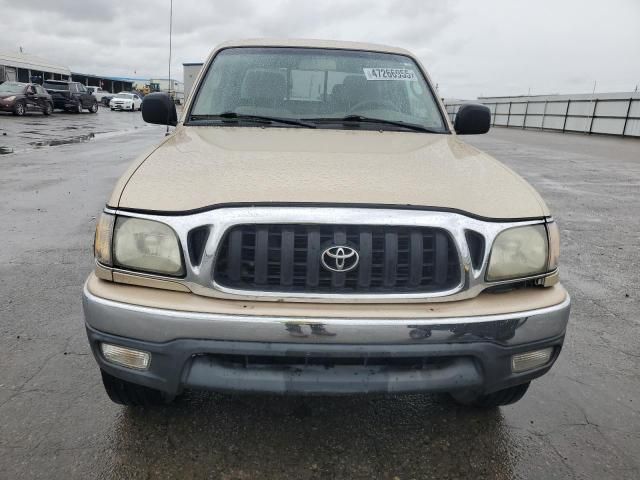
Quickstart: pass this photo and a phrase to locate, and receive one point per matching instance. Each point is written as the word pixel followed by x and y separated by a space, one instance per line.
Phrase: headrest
pixel 264 84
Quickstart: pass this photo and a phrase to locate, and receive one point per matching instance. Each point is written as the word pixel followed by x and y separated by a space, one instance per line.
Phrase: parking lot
pixel 582 420
pixel 34 130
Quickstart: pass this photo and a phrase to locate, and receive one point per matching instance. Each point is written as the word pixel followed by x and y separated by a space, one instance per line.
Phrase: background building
pixel 21 67
pixel 110 84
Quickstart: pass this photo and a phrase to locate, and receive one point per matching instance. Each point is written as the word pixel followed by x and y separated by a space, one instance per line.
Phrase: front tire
pixel 500 398
pixel 48 109
pixel 19 109
pixel 94 108
pixel 132 395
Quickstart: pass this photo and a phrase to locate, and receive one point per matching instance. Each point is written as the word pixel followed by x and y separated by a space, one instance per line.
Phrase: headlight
pixel 147 246
pixel 519 252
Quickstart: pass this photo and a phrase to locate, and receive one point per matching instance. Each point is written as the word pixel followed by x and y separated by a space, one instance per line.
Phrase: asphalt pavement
pixel 579 421
pixel 34 130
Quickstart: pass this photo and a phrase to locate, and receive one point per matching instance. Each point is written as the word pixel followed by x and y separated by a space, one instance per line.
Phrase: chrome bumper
pixel 191 350
pixel 161 325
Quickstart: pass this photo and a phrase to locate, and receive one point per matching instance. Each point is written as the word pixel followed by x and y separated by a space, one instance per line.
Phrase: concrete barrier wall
pixel 610 114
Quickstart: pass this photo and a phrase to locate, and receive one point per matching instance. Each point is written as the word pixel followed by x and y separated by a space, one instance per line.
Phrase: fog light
pixel 127 357
pixel 529 360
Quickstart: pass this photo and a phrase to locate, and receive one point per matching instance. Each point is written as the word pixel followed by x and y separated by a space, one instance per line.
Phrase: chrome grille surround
pixel 200 279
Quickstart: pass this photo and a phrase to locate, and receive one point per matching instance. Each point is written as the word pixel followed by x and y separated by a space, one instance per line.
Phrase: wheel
pixel 130 394
pixel 492 400
pixel 112 109
pixel 48 109
pixel 78 108
pixel 19 109
pixel 94 108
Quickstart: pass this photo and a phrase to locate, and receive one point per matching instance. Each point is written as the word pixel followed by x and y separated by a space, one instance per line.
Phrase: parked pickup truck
pixel 316 225
pixel 101 95
pixel 71 96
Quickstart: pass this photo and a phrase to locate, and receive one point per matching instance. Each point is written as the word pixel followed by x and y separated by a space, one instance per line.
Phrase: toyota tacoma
pixel 315 224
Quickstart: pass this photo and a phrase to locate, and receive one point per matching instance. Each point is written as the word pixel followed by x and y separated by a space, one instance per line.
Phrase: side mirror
pixel 472 118
pixel 159 108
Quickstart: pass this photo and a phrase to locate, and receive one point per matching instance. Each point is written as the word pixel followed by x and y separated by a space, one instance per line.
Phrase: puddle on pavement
pixel 29 133
pixel 63 141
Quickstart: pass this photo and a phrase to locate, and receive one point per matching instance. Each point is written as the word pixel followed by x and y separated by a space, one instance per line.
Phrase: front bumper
pixel 121 107
pixel 322 356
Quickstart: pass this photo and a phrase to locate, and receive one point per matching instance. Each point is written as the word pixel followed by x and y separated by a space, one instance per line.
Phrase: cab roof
pixel 310 43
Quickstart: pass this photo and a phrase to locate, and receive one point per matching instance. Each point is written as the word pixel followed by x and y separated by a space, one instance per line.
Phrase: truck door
pixel 84 95
pixel 42 96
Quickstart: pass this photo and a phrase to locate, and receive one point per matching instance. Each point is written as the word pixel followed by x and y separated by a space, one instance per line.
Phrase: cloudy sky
pixel 470 47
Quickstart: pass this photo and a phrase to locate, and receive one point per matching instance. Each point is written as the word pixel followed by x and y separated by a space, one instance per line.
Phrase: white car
pixel 98 92
pixel 126 101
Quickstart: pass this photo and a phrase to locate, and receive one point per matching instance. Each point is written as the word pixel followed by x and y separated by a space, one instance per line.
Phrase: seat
pixel 337 100
pixel 357 90
pixel 263 88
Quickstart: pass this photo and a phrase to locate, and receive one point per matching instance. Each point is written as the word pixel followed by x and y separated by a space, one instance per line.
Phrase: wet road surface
pixel 579 421
pixel 34 130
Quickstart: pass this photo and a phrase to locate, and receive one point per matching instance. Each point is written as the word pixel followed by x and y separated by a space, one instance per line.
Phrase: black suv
pixel 20 98
pixel 71 96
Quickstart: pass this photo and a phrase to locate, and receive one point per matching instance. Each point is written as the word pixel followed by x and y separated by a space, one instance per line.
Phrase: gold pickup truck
pixel 316 225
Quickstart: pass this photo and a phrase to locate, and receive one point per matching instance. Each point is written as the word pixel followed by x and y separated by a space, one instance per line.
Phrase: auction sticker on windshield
pixel 403 74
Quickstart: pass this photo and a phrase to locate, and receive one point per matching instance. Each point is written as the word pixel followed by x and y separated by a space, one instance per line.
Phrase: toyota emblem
pixel 340 259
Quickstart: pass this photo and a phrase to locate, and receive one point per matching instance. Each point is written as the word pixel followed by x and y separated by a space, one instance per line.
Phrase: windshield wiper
pixel 363 119
pixel 251 118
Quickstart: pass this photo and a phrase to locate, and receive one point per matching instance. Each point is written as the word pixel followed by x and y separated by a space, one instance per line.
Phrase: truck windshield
pixel 324 87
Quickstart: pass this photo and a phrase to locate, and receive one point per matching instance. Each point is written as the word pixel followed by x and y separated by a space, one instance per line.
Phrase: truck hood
pixel 201 167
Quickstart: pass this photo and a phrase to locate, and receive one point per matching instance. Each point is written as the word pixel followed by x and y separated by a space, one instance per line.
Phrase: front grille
pixel 287 258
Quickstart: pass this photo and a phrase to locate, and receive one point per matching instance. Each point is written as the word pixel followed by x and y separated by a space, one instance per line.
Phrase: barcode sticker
pixel 402 74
